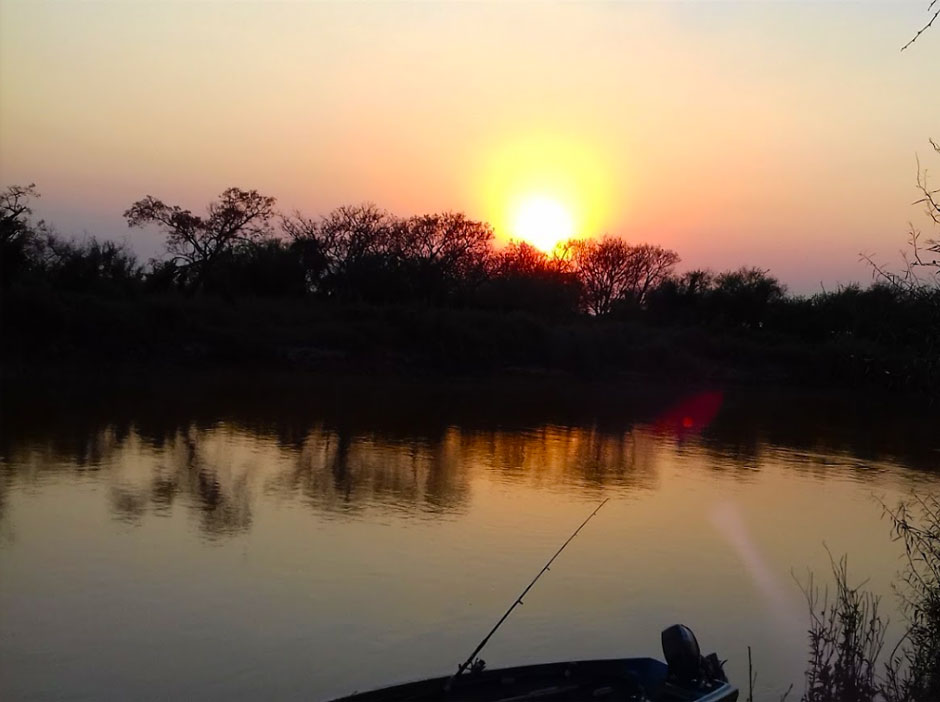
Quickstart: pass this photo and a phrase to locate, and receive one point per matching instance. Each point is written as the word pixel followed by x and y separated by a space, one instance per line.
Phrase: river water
pixel 237 538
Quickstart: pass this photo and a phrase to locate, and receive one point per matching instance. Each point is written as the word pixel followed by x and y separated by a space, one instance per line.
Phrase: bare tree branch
pixel 923 29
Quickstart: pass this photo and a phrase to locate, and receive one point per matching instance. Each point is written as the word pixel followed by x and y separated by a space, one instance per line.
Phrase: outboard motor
pixel 682 652
pixel 687 665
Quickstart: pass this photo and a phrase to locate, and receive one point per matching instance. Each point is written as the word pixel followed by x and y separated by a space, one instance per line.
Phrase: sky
pixel 782 135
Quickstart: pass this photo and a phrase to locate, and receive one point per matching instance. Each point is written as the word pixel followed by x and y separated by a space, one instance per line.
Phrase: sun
pixel 543 186
pixel 543 222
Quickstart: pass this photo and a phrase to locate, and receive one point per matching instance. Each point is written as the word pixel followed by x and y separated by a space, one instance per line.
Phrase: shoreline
pixel 62 335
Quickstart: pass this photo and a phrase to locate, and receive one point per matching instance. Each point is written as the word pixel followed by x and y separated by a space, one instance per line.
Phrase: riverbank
pixel 83 333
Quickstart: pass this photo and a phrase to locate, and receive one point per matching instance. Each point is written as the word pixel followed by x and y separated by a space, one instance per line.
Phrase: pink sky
pixel 781 135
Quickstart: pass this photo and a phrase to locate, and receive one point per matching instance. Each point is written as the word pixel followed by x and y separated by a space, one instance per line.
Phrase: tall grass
pixel 847 632
pixel 846 636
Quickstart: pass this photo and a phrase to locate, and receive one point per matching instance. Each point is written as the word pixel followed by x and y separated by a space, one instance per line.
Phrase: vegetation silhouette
pixel 612 272
pixel 362 286
pixel 199 246
pixel 847 656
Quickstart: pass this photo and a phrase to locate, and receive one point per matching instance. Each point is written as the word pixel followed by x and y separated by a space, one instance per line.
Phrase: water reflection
pixel 183 466
pixel 342 471
pixel 218 472
pixel 297 538
pixel 343 447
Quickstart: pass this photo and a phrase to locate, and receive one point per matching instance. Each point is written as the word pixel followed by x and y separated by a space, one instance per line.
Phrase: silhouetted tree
pixel 695 284
pixel 681 298
pixel 197 243
pixel 613 271
pixel 920 273
pixel 747 297
pixel 103 267
pixel 309 249
pixel 362 252
pixel 161 276
pixel 927 257
pixel 744 297
pixel 268 268
pixel 650 265
pixel 21 240
pixel 523 277
pixel 33 248
pixel 351 250
pixel 442 254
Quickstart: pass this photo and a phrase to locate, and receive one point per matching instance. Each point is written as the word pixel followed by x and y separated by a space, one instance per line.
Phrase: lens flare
pixel 726 517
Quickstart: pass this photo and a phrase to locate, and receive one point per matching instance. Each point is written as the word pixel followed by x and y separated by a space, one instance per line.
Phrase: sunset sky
pixel 780 135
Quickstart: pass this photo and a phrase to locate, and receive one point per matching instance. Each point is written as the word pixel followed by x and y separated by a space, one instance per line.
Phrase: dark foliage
pixel 747 298
pixel 199 246
pixel 614 273
pixel 847 635
pixel 590 305
pixel 101 267
pixel 523 278
pixel 913 672
pixel 20 239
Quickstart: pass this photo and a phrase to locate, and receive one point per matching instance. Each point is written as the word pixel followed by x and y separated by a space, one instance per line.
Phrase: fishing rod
pixel 470 660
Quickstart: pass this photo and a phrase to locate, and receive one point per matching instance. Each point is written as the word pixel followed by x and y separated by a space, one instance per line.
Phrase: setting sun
pixel 542 222
pixel 546 186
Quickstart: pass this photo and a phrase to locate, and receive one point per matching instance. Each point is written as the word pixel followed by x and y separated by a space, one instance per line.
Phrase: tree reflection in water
pixel 412 448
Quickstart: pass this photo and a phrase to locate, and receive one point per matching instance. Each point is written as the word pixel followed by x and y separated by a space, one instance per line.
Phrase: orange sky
pixel 774 134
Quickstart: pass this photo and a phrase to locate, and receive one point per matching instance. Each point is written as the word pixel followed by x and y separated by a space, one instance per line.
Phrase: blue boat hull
pixel 614 679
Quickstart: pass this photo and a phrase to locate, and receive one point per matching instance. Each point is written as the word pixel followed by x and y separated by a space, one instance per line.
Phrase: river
pixel 237 537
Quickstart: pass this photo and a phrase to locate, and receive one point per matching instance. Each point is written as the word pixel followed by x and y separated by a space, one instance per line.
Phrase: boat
pixel 686 676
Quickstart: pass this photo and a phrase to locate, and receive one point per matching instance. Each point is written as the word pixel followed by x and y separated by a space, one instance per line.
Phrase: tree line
pixel 242 248
pixel 358 253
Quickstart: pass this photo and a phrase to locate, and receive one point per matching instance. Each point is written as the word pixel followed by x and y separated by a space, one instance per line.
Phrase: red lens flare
pixel 691 415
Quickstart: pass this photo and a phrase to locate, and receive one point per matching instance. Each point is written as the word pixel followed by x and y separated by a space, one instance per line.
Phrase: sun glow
pixel 543 222
pixel 545 187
